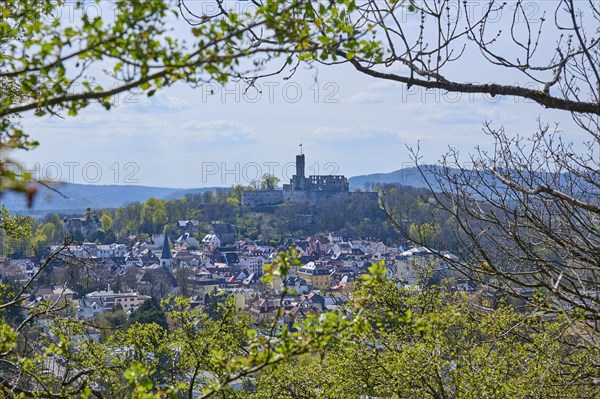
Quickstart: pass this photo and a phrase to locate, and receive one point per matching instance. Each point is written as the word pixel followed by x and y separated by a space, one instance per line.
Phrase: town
pixel 299 200
pixel 160 266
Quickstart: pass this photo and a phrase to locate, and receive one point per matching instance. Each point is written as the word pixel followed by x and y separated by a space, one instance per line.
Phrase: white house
pixel 108 299
pixel 253 264
pixel 407 264
pixel 211 242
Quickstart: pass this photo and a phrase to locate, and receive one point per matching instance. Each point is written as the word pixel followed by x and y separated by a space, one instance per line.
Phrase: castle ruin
pixel 301 189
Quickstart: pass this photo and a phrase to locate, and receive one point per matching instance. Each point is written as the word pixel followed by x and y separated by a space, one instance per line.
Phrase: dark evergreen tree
pixel 214 304
pixel 150 312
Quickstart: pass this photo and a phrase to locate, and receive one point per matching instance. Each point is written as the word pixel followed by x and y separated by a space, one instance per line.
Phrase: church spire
pixel 165 256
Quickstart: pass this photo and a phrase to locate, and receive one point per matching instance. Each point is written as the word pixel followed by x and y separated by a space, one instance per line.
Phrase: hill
pixel 70 197
pixel 406 176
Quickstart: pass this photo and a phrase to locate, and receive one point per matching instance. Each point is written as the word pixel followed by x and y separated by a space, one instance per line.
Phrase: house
pixel 110 251
pixel 57 296
pixel 253 264
pixel 140 258
pixel 188 239
pixel 377 247
pixel 335 248
pixel 53 293
pixel 316 275
pixel 70 251
pixel 86 225
pixel 312 300
pixel 297 285
pixel 205 283
pixel 182 257
pixel 109 298
pixel 316 245
pixel 188 226
pixel 155 242
pixel 407 265
pixel 341 288
pixel 209 277
pixel 18 270
pixel 335 237
pixel 89 308
pixel 211 242
pixel 239 296
pixel 262 312
pixel 102 301
pixel 294 314
pixel 231 257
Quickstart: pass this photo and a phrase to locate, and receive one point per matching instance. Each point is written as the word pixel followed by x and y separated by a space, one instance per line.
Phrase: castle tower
pixel 299 179
pixel 165 256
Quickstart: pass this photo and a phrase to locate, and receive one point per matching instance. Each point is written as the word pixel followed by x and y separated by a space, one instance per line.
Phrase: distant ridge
pixel 406 177
pixel 96 196
pixel 81 196
pixel 485 185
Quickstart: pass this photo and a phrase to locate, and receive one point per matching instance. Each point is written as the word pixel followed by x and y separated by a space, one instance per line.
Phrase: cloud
pixel 441 110
pixel 213 130
pixel 356 133
pixel 160 102
pixel 386 85
pixel 365 98
pixel 378 92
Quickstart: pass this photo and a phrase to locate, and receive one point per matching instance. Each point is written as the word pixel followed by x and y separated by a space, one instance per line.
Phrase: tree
pixel 525 215
pixel 538 227
pixel 106 222
pixel 395 342
pixel 148 360
pixel 89 214
pixel 422 233
pixel 269 182
pixel 130 278
pixel 540 216
pixel 14 231
pixel 183 276
pixel 13 315
pixel 235 195
pixel 110 321
pixel 150 312
pixel 431 344
pixel 52 66
pixel 526 221
pixel 59 225
pixel 372 36
pixel 78 236
pixel 14 226
pixel 154 216
pixel 214 303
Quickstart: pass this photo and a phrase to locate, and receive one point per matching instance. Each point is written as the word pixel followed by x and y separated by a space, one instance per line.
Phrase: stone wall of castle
pixel 262 197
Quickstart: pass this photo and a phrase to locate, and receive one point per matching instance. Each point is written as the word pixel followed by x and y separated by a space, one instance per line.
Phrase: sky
pixel 347 123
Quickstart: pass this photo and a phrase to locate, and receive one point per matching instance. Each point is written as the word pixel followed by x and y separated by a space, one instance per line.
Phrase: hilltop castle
pixel 301 189
pixel 330 183
pixel 312 188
